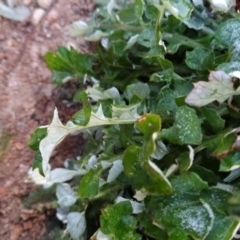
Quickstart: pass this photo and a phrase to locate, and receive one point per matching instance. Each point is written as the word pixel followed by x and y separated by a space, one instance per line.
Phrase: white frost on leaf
pixel 226 187
pixel 18 13
pixel 76 224
pixel 57 175
pixel 211 215
pixel 221 5
pixel 105 164
pixel 62 215
pixel 91 162
pixel 218 88
pixel 57 132
pixel 96 94
pixel 79 28
pixel 36 177
pixel 161 43
pixel 110 6
pixel 126 112
pixel 160 151
pixel 140 194
pixel 235 74
pixel 105 43
pixel 96 36
pixel 102 236
pixel 180 9
pixel 65 195
pixel 115 171
pixel 132 40
pixel 172 169
pixel 136 206
pixel 101 182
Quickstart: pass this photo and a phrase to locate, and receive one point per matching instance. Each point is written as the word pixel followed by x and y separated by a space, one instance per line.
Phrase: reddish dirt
pixel 26 102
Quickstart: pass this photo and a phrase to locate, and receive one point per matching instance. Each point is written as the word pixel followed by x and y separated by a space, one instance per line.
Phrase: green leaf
pixel 36 138
pixel 125 136
pixel 224 145
pixel 229 67
pixel 158 182
pixel 147 37
pixel 220 143
pixel 37 163
pixel 228 32
pixel 139 9
pixel 116 221
pixel 224 227
pixel 200 59
pixel 130 160
pixel 195 22
pixel 205 174
pixel 216 198
pixel 213 118
pixel 181 9
pixel 67 63
pixel 196 219
pixel 150 229
pixel 168 96
pixel 178 234
pixel 89 184
pixel 186 159
pixel 130 14
pixel 230 162
pixel 59 61
pixel 188 182
pixel 82 117
pixel 137 89
pixel 186 128
pixel 136 160
pixel 166 74
pixel 149 124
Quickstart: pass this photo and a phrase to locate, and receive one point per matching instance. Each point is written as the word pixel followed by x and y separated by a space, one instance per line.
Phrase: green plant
pixel 161 159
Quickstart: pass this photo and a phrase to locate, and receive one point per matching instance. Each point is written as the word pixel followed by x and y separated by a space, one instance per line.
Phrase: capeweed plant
pixel 160 118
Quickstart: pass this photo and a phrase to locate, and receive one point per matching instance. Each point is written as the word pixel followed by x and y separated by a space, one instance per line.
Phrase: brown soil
pixel 26 102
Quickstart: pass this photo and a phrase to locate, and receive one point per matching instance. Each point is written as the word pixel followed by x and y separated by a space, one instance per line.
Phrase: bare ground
pixel 26 102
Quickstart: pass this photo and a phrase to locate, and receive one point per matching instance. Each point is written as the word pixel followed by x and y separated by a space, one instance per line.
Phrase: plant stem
pixel 187 41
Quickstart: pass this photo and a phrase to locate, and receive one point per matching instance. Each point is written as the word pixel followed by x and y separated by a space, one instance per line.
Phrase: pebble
pixel 3 191
pixel 44 3
pixel 19 145
pixel 27 2
pixel 52 16
pixel 38 13
pixel 27 225
pixel 16 232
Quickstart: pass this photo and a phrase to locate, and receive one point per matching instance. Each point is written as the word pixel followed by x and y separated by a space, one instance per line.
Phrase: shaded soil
pixel 27 100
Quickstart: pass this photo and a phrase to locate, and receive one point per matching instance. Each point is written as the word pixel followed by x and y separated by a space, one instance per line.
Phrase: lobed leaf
pixel 186 128
pixel 76 224
pixel 116 221
pixel 219 88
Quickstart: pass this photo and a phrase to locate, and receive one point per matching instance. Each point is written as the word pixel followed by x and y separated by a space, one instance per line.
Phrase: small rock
pixel 38 13
pixel 27 2
pixel 27 213
pixel 19 146
pixel 27 225
pixel 44 3
pixel 3 191
pixel 52 16
pixel 16 232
